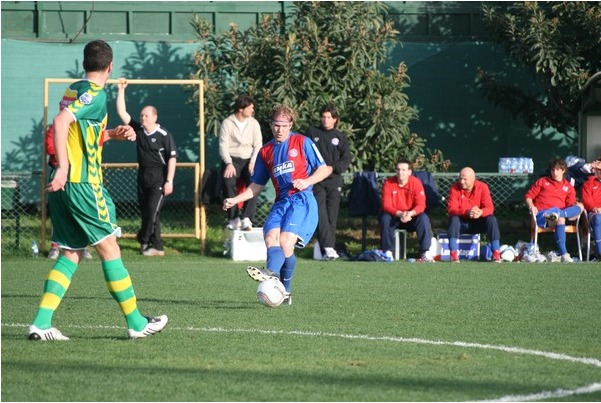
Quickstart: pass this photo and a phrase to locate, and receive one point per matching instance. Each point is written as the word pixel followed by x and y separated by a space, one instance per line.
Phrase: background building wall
pixel 443 43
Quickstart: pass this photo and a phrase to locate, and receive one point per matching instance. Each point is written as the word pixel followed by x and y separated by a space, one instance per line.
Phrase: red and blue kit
pixel 461 201
pixel 295 158
pixel 591 193
pixel 395 197
pixel 547 193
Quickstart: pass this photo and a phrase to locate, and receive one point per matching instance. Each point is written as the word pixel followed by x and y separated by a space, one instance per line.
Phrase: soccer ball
pixel 507 253
pixel 271 292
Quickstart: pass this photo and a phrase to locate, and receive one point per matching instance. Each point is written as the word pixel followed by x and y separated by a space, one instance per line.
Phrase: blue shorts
pixel 297 214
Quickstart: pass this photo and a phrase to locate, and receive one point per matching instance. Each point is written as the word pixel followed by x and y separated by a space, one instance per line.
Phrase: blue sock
pixel 560 238
pixel 275 259
pixel 288 271
pixel 496 245
pixel 453 243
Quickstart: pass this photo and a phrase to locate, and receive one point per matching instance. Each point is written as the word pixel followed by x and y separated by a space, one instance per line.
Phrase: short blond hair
pixel 285 110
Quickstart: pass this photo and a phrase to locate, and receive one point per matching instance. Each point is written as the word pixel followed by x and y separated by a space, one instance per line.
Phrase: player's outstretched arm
pixel 121 132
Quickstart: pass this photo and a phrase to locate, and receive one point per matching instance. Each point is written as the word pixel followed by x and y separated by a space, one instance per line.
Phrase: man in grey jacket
pixel 239 142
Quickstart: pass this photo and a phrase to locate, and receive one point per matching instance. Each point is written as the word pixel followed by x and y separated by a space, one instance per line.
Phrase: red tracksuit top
pixel 403 198
pixel 547 193
pixel 591 193
pixel 461 201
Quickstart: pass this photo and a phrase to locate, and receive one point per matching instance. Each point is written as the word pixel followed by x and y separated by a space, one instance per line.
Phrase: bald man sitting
pixel 471 209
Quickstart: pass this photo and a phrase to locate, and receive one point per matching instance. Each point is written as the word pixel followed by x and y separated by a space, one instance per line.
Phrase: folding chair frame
pixel 570 229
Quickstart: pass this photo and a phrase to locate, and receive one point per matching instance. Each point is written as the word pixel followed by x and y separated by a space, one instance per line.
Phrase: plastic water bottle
pixel 35 251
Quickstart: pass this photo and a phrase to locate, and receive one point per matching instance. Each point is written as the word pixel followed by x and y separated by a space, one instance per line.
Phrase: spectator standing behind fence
pixel 470 208
pixel 157 157
pixel 294 165
pixel 403 207
pixel 81 210
pixel 334 148
pixel 552 200
pixel 591 199
pixel 240 139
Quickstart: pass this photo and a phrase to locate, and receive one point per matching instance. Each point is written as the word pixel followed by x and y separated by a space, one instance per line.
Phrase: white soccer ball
pixel 507 252
pixel 271 292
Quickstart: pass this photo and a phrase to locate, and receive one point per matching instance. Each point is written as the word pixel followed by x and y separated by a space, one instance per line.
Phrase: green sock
pixel 57 283
pixel 119 284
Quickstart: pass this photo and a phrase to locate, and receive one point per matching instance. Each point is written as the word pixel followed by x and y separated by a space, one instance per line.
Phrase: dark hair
pixel 558 163
pixel 404 161
pixel 333 111
pixel 97 56
pixel 243 101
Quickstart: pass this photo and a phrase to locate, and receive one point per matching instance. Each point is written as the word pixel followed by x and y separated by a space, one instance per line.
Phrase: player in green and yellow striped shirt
pixel 81 210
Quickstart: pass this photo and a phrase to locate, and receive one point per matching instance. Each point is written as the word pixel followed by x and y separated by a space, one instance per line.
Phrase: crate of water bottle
pixel 516 165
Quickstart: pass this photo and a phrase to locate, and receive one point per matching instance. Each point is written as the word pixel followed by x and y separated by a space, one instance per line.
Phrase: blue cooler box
pixel 469 247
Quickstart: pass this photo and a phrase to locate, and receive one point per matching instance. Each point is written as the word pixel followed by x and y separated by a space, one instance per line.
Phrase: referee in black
pixel 157 156
pixel 334 148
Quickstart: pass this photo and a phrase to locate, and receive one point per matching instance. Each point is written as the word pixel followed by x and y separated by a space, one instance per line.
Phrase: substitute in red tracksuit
pixel 471 209
pixel 403 206
pixel 591 198
pixel 552 200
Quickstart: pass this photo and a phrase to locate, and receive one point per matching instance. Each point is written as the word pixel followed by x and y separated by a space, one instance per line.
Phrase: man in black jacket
pixel 334 148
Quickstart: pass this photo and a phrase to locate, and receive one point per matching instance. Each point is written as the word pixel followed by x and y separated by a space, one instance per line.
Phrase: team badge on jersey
pixel 293 153
pixel 85 98
pixel 335 141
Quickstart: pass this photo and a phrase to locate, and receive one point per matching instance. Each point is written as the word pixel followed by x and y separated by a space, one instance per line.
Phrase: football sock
pixel 495 245
pixel 454 243
pixel 288 271
pixel 560 238
pixel 56 285
pixel 275 259
pixel 119 285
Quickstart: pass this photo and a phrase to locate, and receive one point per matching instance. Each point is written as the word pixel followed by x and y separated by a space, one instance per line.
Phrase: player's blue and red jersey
pixel 295 158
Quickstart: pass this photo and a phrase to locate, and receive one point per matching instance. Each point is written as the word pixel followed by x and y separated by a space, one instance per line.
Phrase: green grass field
pixel 355 332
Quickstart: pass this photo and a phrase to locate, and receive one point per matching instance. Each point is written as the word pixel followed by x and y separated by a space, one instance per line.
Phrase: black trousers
pixel 327 193
pixel 150 201
pixel 230 189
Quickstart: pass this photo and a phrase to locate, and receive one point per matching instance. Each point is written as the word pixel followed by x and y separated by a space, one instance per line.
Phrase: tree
pixel 560 44
pixel 326 52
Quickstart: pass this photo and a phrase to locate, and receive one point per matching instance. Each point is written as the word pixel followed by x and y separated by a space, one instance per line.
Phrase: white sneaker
pixel 287 299
pixel 234 224
pixel 551 219
pixel 566 258
pixel 87 254
pixel 54 253
pixel 389 255
pixel 552 257
pixel 153 326
pixel 246 224
pixel 426 258
pixel 331 254
pixel 45 335
pixel 153 252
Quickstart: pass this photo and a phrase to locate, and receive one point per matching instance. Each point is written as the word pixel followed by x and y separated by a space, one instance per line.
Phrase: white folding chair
pixel 589 234
pixel 571 228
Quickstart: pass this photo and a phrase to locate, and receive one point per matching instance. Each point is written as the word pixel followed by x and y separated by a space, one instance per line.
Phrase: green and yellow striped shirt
pixel 87 102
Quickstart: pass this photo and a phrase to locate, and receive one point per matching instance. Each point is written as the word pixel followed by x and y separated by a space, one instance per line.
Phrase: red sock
pixel 496 255
pixel 454 255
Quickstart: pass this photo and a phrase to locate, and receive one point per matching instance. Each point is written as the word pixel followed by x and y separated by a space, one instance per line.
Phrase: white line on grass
pixel 594 387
